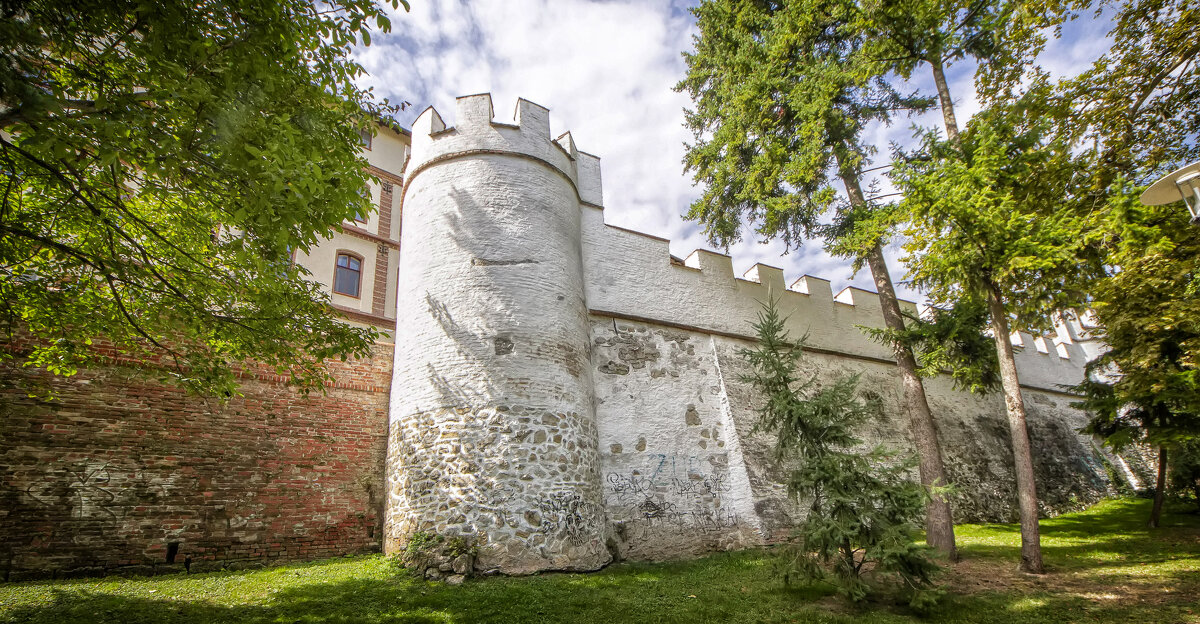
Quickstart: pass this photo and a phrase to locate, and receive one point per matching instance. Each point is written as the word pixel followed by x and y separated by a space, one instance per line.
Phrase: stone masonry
pixel 566 392
pixel 561 393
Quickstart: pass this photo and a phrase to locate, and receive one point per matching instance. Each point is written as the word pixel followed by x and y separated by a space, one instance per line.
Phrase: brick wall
pixel 117 471
pixel 388 182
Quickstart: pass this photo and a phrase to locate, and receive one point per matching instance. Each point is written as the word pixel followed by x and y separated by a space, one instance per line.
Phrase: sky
pixel 606 70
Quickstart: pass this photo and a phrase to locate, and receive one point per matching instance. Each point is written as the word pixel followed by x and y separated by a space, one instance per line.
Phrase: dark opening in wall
pixel 172 550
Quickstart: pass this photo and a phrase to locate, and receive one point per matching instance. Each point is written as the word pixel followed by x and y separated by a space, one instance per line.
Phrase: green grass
pixel 1105 567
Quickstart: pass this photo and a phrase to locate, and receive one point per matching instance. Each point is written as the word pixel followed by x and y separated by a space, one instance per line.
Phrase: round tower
pixel 492 433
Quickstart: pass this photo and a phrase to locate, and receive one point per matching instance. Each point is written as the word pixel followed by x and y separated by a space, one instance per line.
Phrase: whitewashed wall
pixel 565 393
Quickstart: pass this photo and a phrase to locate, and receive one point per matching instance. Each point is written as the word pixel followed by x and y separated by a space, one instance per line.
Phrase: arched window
pixel 347 275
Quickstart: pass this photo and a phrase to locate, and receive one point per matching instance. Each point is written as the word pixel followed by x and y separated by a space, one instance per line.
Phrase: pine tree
pixel 782 94
pixel 862 508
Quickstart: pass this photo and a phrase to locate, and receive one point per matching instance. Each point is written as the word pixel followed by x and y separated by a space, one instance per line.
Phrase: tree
pixel 862 508
pixel 1121 421
pixel 1146 387
pixel 1185 471
pixel 991 219
pixel 1135 110
pixel 162 162
pixel 912 33
pixel 949 340
pixel 782 95
pixel 1136 117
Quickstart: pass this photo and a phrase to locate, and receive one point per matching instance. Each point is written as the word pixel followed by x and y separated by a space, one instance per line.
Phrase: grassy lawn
pixel 1105 566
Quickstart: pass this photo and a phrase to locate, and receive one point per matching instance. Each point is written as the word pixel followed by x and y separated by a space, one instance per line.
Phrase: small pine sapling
pixel 863 510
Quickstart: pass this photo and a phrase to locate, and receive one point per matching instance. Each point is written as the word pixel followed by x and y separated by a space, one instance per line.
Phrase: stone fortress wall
pixel 565 392
pixel 561 391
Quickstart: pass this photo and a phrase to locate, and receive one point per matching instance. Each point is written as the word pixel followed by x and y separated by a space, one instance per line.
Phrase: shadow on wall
pixel 472 346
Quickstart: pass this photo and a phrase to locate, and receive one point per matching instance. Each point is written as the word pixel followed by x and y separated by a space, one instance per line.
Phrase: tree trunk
pixel 1160 488
pixel 947 105
pixel 1031 543
pixel 939 520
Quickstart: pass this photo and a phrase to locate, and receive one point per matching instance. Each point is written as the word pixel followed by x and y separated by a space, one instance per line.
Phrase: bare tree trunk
pixel 939 520
pixel 1031 542
pixel 947 104
pixel 1160 488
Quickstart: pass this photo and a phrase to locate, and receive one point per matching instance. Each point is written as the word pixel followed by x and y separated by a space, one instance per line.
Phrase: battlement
pixel 477 132
pixel 630 274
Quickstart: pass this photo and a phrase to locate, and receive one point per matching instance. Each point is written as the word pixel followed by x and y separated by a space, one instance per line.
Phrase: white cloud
pixel 606 70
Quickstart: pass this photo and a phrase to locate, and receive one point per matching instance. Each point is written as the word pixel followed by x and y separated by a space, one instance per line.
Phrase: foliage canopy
pixel 1137 109
pixel 162 162
pixel 782 94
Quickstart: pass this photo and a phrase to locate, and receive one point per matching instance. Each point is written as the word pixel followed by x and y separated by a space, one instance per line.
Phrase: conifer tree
pixel 862 509
pixel 1135 118
pixel 1146 387
pixel 782 94
pixel 1008 35
pixel 989 218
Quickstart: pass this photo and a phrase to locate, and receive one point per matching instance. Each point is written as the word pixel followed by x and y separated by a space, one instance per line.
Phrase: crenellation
pixel 567 143
pixel 813 286
pixel 769 276
pixel 533 119
pixel 715 266
pixel 473 111
pixel 591 188
pixel 428 123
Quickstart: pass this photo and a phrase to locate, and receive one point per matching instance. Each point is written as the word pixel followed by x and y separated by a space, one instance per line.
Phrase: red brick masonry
pixel 118 472
pixel 388 181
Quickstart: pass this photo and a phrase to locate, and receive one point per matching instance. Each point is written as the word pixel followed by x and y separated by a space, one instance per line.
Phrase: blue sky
pixel 606 69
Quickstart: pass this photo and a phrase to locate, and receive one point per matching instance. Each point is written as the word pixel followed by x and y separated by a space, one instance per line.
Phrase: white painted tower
pixel 492 432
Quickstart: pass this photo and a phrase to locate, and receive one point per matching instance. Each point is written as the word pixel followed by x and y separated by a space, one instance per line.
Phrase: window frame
pixel 365 219
pixel 351 255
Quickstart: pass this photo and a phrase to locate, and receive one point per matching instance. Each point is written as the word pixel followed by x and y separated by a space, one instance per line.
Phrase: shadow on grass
pixel 366 601
pixel 1107 544
pixel 407 601
pixel 1114 532
pixel 682 592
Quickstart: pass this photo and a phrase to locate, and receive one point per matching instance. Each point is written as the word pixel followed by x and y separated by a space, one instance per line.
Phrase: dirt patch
pixel 1108 588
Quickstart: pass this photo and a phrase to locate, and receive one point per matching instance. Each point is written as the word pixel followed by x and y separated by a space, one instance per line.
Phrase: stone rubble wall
pixel 562 385
pixel 685 474
pixel 631 275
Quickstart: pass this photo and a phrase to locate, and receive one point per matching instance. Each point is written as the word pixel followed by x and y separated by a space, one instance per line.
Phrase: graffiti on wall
pixel 680 494
pixel 565 514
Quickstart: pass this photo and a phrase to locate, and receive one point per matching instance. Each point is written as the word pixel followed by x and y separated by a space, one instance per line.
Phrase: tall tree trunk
pixel 939 520
pixel 1160 488
pixel 947 104
pixel 1031 542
